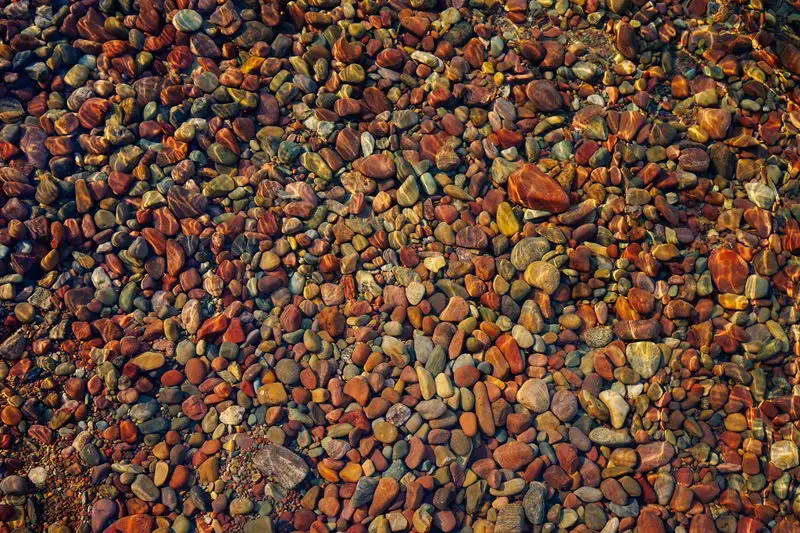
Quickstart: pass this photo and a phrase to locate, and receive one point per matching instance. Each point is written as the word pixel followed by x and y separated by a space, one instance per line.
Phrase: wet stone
pixel 187 20
pixel 784 455
pixel 644 358
pixel 399 266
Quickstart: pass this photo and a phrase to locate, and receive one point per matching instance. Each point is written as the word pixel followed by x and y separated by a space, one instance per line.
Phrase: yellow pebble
pixel 320 395
pixel 351 472
pixel 499 383
pixel 327 474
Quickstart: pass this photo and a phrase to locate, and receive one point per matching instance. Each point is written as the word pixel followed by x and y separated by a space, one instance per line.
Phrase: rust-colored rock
pixel 728 270
pixel 532 188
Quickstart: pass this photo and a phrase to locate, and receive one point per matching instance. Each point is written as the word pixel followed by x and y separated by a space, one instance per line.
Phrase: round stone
pixel 187 20
pixel 543 275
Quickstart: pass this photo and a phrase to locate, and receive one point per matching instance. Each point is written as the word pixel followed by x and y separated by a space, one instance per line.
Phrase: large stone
pixel 103 513
pixel 761 195
pixel 314 163
pixel 513 455
pixel 654 455
pixel 531 187
pixel 618 408
pixel 543 275
pixel 790 57
pixel 610 437
pixel 756 287
pixel 187 20
pixel 408 193
pixel 364 490
pixel 377 166
pixel 510 519
pixel 544 95
pixel 617 6
pixel 507 222
pixel 784 455
pixel 457 310
pixel 644 357
pixel 15 485
pixel 136 523
pixel 259 525
pixel 715 121
pixel 649 521
pixel 694 160
pixel 534 502
pixel 148 361
pixel 630 122
pixel 527 251
pixel 284 465
pixel 144 488
pixel 728 270
pixel 385 493
pixel 564 405
pixel 598 337
pixel 627 41
pixel 637 330
pixel 13 346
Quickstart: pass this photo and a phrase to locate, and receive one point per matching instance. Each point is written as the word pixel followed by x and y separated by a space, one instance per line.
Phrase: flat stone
pixel 285 466
pixel 728 270
pixel 513 455
pixel 610 437
pixel 654 455
pixel 510 519
pixel 528 250
pixel 534 189
pixel 144 489
pixel 534 502
pixel 784 455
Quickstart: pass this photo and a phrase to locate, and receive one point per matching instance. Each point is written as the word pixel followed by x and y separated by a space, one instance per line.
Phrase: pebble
pixel 783 454
pixel 144 488
pixel 534 395
pixel 644 357
pixel 618 408
pixel 187 20
pixel 542 275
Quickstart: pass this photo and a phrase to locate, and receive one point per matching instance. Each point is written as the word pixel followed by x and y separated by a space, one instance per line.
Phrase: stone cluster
pixel 385 266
